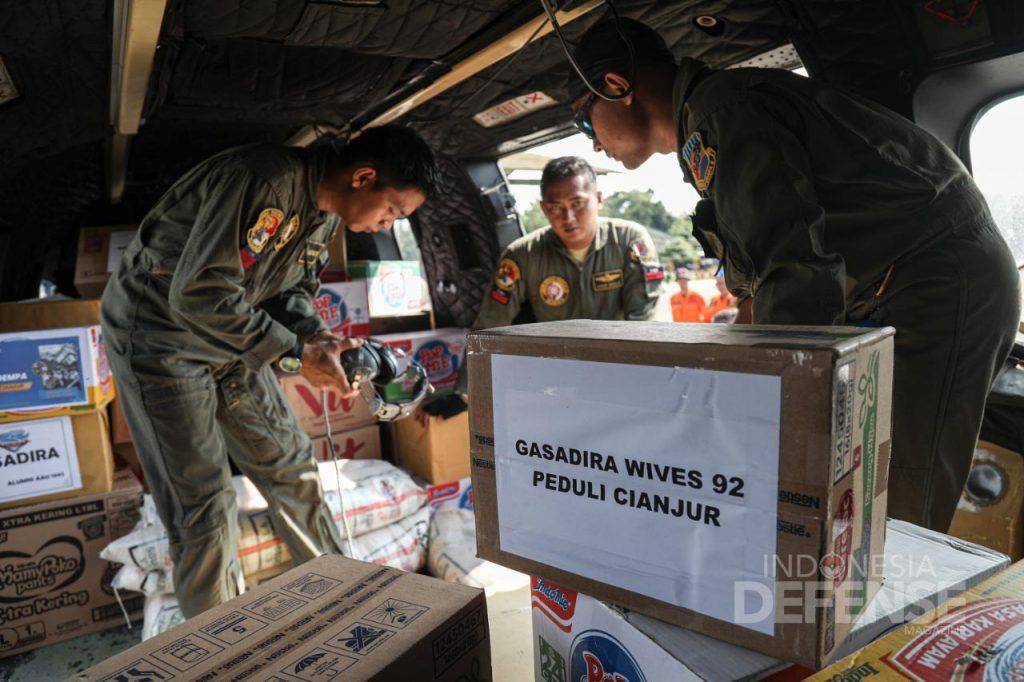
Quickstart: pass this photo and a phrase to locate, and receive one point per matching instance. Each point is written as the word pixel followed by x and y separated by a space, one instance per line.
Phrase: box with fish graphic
pixel 53 372
pixel 393 287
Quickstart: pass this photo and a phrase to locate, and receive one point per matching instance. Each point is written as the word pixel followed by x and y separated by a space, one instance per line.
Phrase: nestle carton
pixel 344 308
pixel 53 372
pixel 728 479
pixel 574 633
pixel 55 457
pixel 54 584
pixel 308 405
pixel 361 443
pixel 978 635
pixel 394 287
pixel 330 618
pixel 99 251
pixel 439 351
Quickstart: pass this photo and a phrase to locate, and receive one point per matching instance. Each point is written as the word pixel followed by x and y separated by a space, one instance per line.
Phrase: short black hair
pixel 400 156
pixel 603 49
pixel 566 167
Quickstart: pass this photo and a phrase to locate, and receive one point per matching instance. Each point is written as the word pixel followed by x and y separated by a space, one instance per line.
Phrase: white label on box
pixel 659 480
pixel 119 241
pixel 38 458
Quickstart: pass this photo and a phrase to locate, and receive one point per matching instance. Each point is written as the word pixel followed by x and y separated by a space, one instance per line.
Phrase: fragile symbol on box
pixel 396 612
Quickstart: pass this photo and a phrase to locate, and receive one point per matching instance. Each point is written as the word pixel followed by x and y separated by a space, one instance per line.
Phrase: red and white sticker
pixel 510 110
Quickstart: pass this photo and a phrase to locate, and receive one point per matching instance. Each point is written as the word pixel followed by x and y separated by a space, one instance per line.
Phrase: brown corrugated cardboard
pixel 54 584
pixel 26 316
pixel 330 618
pixel 36 458
pixel 361 443
pixel 99 249
pixel 345 414
pixel 784 436
pixel 433 448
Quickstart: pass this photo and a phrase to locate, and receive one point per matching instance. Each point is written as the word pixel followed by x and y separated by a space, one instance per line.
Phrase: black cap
pixel 603 49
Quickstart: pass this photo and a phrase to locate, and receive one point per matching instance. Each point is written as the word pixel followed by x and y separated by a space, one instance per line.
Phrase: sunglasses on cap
pixel 582 117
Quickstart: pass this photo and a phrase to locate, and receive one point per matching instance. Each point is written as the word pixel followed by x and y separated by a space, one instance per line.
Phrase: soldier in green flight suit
pixel 215 289
pixel 828 209
pixel 582 266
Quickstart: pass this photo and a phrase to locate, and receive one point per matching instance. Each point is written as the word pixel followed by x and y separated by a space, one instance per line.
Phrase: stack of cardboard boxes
pixel 60 497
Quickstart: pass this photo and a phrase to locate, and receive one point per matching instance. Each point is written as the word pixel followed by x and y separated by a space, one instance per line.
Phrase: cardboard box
pixel 434 449
pixel 99 251
pixel 343 306
pixel 440 351
pixel 361 443
pixel 330 618
pixel 304 398
pixel 922 569
pixel 978 635
pixel 49 313
pixel 55 457
pixel 53 372
pixel 728 479
pixel 55 586
pixel 394 287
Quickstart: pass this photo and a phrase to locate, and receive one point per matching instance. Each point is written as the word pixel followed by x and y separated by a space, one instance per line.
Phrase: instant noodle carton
pixel 727 479
pixel 978 635
pixel 344 308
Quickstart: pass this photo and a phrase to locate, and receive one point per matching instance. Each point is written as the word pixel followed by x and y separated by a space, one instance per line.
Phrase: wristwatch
pixel 291 362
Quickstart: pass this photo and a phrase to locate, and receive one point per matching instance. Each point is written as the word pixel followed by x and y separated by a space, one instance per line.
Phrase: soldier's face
pixel 365 206
pixel 619 128
pixel 571 206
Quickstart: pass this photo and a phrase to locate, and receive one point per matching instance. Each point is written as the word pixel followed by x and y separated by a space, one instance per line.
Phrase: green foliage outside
pixel 673 235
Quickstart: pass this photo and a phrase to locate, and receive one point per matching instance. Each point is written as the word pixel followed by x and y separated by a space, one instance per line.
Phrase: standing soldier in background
pixel 215 288
pixel 582 266
pixel 827 209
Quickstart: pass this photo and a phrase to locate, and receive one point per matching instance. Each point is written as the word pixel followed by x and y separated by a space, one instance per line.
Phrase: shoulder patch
pixel 290 230
pixel 554 291
pixel 264 230
pixel 700 159
pixel 639 252
pixel 507 274
pixel 500 297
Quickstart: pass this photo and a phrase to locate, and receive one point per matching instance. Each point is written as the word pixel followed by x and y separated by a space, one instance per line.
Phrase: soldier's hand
pixel 321 362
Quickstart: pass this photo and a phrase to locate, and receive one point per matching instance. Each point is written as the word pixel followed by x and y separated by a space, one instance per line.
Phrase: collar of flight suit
pixel 689 73
pixel 316 163
pixel 600 239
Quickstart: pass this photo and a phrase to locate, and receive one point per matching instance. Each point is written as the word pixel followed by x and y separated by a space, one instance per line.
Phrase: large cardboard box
pixel 992 514
pixel 344 308
pixel 439 351
pixel 978 635
pixel 53 372
pixel 361 443
pixel 394 287
pixel 55 457
pixel 345 414
pixel 54 584
pixel 49 313
pixel 728 479
pixel 574 633
pixel 330 618
pixel 435 449
pixel 99 251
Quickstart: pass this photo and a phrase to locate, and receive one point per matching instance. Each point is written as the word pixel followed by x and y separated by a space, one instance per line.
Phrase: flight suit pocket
pixel 256 416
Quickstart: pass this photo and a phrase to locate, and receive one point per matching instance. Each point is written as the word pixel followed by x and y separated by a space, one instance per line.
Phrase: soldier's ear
pixel 600 198
pixel 616 84
pixel 364 177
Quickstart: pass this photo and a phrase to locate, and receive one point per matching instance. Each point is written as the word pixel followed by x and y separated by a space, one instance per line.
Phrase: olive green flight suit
pixel 619 279
pixel 214 287
pixel 830 209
